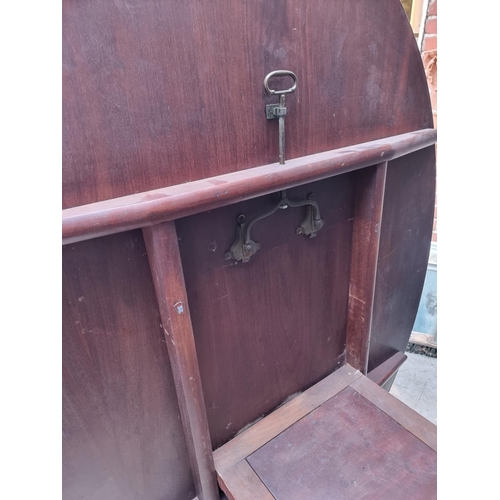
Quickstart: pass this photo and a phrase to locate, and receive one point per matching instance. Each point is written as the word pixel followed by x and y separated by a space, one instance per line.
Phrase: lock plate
pixel 274 111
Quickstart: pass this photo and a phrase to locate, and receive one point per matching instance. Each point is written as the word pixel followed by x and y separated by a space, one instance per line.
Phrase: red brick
pixel 431 26
pixel 432 8
pixel 430 43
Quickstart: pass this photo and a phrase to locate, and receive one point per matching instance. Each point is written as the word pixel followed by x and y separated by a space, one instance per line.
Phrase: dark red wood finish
pixel 166 268
pixel 170 203
pixel 122 433
pixel 276 324
pixel 158 93
pixel 412 421
pixel 382 373
pixel 404 246
pixel 350 449
pixel 369 198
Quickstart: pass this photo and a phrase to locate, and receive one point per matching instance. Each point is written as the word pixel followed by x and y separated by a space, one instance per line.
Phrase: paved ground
pixel 416 385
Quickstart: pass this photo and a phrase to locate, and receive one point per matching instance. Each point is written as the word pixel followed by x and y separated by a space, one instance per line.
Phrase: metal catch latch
pixel 274 111
pixel 244 247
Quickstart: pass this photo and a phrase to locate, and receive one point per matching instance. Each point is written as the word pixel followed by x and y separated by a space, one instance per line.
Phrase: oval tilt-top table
pixel 248 198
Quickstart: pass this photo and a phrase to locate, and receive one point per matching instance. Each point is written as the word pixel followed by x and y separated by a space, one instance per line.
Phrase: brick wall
pixel 429 58
pixel 430 29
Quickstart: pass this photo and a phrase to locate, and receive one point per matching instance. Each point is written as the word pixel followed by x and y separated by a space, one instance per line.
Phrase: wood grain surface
pixel 412 421
pixel 405 241
pixel 347 449
pixel 159 93
pixel 383 372
pixel 149 101
pixel 122 434
pixel 344 438
pixel 266 429
pixel 245 481
pixel 166 269
pixel 369 199
pixel 170 203
pixel 274 326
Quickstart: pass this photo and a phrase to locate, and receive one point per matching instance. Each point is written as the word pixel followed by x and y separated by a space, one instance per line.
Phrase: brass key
pixel 274 111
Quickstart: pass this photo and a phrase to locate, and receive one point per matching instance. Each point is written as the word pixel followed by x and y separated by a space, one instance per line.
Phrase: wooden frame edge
pixel 412 421
pixel 261 432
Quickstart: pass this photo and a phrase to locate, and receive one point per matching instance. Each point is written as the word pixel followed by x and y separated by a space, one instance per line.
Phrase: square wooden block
pixel 344 438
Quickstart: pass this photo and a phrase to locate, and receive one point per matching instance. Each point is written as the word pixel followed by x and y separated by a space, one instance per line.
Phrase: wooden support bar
pixel 387 369
pixel 170 203
pixel 166 268
pixel 370 186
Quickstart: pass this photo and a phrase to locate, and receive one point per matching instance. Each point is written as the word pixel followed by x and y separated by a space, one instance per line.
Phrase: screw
pixel 228 256
pixel 299 230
